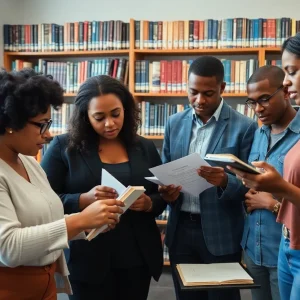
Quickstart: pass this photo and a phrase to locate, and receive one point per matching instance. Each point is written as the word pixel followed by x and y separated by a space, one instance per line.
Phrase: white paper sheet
pixel 110 181
pixel 182 172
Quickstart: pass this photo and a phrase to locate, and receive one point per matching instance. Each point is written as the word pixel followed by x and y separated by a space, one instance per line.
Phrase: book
pixel 213 274
pixel 127 195
pixel 224 160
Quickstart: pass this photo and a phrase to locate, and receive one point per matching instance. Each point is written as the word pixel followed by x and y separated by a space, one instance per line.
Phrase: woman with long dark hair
pixel 103 134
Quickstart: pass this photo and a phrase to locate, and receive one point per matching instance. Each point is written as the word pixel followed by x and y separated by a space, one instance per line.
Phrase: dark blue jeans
pixel 288 271
pixel 189 247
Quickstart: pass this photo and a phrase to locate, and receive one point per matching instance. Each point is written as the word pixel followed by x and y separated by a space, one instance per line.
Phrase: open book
pixel 127 195
pixel 213 274
pixel 224 160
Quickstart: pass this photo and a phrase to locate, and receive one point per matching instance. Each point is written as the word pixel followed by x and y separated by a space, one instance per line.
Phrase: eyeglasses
pixel 264 102
pixel 43 126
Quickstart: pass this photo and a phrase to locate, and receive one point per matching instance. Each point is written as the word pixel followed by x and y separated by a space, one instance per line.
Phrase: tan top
pixel 33 229
pixel 289 214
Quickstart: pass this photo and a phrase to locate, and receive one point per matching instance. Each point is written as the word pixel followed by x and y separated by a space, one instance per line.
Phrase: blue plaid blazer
pixel 222 212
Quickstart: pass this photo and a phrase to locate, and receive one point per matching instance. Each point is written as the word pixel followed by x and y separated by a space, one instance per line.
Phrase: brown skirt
pixel 28 283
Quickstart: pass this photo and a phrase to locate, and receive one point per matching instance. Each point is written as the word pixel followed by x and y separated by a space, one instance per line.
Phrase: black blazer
pixel 73 173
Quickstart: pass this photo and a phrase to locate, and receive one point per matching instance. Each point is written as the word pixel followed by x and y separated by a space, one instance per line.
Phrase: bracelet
pixel 148 210
pixel 276 208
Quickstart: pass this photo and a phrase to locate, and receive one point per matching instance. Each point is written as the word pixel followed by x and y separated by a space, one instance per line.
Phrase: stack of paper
pixel 213 274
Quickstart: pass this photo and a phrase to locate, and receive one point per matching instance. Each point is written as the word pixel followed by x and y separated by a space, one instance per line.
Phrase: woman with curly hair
pixel 103 134
pixel 33 228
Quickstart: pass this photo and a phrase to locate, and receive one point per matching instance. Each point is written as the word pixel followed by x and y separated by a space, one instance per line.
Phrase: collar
pixel 216 114
pixel 294 125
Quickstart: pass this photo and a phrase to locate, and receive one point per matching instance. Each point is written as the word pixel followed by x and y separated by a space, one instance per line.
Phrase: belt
pixel 190 216
pixel 286 232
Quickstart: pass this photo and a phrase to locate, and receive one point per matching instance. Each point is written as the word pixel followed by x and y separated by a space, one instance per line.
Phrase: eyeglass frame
pixel 264 102
pixel 43 126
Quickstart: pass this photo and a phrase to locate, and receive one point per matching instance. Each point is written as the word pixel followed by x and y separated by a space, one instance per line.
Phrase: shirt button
pixel 257 244
pixel 257 223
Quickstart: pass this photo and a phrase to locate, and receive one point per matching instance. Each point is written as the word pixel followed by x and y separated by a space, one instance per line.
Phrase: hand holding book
pixel 143 203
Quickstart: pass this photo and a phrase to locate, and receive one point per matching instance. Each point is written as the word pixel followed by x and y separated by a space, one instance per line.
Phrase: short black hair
pixel 292 45
pixel 24 95
pixel 273 74
pixel 81 134
pixel 208 66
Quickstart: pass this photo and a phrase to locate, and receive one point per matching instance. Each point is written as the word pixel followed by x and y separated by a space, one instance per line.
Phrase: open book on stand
pixel 127 195
pixel 213 274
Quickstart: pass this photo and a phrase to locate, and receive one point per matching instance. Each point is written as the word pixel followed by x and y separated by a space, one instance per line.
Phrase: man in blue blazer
pixel 208 228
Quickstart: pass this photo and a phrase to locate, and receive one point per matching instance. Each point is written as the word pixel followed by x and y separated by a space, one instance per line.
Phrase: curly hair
pixel 24 95
pixel 81 133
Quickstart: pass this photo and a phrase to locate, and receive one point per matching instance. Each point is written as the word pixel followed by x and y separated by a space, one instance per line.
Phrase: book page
pixel 110 181
pixel 199 273
pixel 183 172
pixel 129 196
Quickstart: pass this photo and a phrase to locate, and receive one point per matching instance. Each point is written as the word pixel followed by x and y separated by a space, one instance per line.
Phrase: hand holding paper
pixel 182 172
pixel 214 175
pixel 169 193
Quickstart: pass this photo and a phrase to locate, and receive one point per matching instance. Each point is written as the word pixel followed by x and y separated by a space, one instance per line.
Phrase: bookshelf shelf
pixel 222 51
pixel 68 53
pixel 161 222
pixel 154 137
pixel 70 95
pixel 273 49
pixel 183 95
pixel 167 263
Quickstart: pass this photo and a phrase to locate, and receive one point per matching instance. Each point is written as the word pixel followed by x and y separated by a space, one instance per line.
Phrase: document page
pixel 221 272
pixel 182 172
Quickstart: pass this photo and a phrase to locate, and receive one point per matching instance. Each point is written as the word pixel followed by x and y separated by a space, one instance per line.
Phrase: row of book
pixel 72 74
pixel 154 116
pixel 76 36
pixel 210 33
pixel 274 62
pixel 172 76
pixel 60 118
pixel 245 110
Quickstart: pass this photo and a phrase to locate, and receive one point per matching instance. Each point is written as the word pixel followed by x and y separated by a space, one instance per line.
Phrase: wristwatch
pixel 276 208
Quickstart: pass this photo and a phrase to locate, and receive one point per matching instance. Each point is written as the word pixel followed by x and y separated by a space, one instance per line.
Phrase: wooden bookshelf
pixel 183 94
pixel 223 51
pixel 161 222
pixel 70 94
pixel 70 53
pixel 260 53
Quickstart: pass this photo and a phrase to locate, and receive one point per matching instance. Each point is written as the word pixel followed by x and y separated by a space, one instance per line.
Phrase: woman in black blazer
pixel 117 264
